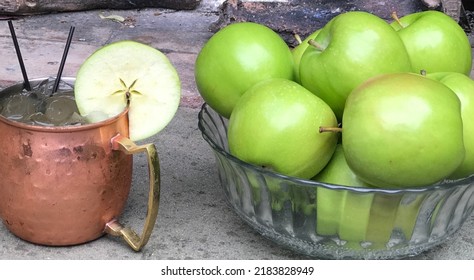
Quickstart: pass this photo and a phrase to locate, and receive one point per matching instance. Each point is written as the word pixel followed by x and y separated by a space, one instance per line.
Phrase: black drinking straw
pixel 26 82
pixel 63 60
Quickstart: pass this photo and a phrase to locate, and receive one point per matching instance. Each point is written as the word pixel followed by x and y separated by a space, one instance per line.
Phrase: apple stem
pixel 128 95
pixel 397 19
pixel 298 39
pixel 423 72
pixel 315 44
pixel 329 129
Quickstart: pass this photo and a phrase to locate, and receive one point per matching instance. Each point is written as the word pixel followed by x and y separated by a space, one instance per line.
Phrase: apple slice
pixel 407 213
pixel 329 207
pixel 128 72
pixel 382 219
pixel 355 216
pixel 342 212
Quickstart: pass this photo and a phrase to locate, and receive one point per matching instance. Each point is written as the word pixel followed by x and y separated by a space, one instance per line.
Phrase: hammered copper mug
pixel 68 185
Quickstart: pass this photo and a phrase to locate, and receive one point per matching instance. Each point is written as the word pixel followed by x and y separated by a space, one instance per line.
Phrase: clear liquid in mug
pixel 41 107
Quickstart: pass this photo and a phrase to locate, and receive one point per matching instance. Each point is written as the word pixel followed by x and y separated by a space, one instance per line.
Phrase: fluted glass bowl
pixel 337 222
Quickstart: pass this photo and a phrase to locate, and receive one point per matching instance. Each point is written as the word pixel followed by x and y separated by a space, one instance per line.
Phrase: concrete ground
pixel 194 220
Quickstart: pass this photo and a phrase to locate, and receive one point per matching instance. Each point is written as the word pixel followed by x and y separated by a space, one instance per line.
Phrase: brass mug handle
pixel 113 227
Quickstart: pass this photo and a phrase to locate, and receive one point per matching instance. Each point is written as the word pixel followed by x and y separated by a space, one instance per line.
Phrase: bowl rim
pixel 442 185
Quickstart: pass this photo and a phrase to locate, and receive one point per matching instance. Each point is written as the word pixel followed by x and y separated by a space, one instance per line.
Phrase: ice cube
pixel 59 109
pixel 18 107
pixel 44 89
pixel 39 118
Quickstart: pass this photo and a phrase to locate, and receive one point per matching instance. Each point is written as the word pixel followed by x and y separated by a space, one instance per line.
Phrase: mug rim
pixel 63 128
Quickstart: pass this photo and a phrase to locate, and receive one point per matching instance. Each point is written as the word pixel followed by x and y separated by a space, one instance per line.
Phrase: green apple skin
pixel 349 214
pixel 303 200
pixel 383 215
pixel 342 212
pixel 435 42
pixel 407 213
pixel 329 208
pixel 255 180
pixel 463 86
pixel 353 47
pixel 277 196
pixel 390 213
pixel 276 125
pixel 403 130
pixel 337 171
pixel 297 53
pixel 235 58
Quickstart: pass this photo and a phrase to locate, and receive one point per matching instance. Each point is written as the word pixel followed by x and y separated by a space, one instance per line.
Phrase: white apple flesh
pixel 129 73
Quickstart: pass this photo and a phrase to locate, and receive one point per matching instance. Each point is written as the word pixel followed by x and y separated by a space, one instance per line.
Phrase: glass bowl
pixel 336 222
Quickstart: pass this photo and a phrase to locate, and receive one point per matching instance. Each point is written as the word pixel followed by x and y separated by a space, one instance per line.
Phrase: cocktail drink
pixel 40 106
pixel 65 180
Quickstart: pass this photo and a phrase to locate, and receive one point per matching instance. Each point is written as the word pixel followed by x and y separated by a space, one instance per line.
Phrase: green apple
pixel 235 58
pixel 407 213
pixel 403 130
pixel 435 42
pixel 298 53
pixel 382 219
pixel 275 125
pixel 128 73
pixel 255 181
pixel 337 171
pixel 279 195
pixel 463 86
pixel 329 207
pixel 342 212
pixel 348 50
pixel 303 200
pixel 392 213
pixel 357 216
pixel 273 193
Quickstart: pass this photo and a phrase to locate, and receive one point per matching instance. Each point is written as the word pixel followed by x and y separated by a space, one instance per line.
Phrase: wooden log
pixel 302 17
pixel 28 7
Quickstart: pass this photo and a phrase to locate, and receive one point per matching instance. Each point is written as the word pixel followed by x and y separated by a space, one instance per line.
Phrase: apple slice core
pixel 129 73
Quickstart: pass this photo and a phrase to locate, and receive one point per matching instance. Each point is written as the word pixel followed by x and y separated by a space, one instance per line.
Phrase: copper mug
pixel 68 185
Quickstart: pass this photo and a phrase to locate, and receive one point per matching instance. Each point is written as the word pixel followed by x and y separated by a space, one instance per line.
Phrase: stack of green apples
pixel 361 102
